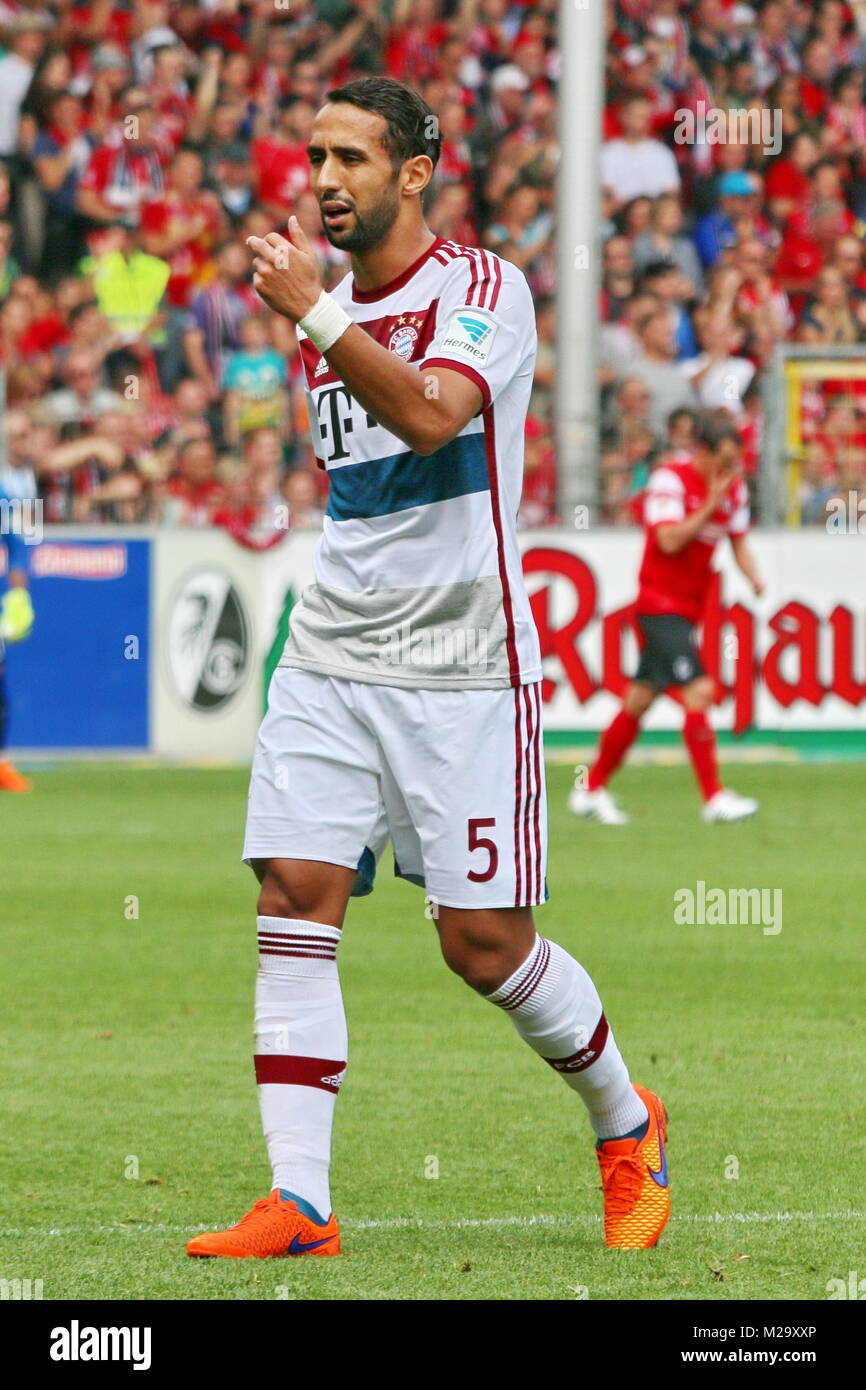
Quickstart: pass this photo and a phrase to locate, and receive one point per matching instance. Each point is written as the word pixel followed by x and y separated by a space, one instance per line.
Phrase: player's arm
pixel 746 563
pixel 673 536
pixel 426 410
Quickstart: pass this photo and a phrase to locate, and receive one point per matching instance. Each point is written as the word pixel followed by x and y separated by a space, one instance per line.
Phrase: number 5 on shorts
pixel 477 841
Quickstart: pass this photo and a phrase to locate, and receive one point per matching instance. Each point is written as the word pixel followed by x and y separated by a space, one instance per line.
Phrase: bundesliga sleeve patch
pixel 470 333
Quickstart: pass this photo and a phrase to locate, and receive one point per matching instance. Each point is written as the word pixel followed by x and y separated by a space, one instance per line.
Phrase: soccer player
pixel 407 703
pixel 16 620
pixel 689 504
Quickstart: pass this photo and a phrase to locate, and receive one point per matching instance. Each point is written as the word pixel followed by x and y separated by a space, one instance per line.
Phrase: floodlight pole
pixel 581 92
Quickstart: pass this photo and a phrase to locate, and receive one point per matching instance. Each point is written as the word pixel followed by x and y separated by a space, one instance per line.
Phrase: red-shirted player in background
pixel 688 506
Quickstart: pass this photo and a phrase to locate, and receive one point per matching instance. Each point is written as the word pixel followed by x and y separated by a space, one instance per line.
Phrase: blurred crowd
pixel 142 141
pixel 726 234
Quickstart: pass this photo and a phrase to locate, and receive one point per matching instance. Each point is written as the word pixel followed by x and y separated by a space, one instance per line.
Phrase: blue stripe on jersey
pixel 381 486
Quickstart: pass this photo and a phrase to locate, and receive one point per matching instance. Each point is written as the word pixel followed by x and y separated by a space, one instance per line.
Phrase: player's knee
pixel 285 893
pixel 699 695
pixel 638 700
pixel 482 970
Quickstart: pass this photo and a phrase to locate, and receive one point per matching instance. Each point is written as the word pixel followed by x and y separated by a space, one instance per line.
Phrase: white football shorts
pixel 453 778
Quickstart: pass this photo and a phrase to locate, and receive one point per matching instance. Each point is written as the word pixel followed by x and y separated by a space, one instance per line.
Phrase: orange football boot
pixel 11 779
pixel 273 1227
pixel 634 1179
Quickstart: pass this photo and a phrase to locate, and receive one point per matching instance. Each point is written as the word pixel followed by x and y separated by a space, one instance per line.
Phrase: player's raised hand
pixel 286 272
pixel 722 478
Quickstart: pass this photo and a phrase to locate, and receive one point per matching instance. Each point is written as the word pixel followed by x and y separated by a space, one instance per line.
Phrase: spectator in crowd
pixel 252 382
pixel 676 293
pixel 128 284
pixel 25 32
pixel 125 172
pixel 656 366
pixel 61 150
pixel 215 316
pixel 829 319
pixel 717 232
pixel 538 505
pixel 522 234
pixel 82 398
pixel 619 342
pixel 194 486
pixel 635 164
pixel 281 169
pixel 719 376
pixel 666 241
pixel 300 496
pixel 18 471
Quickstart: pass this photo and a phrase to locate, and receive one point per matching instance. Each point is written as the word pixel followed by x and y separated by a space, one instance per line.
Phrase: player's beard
pixel 368 229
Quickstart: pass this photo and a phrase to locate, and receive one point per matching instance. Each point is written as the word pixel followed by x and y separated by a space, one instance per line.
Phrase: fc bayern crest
pixel 403 340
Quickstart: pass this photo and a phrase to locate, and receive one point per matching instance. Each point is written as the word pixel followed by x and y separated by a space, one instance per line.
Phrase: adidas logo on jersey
pixel 335 1081
pixel 322 367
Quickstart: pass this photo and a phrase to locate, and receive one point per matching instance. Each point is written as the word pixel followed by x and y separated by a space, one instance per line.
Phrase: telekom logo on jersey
pixel 789 668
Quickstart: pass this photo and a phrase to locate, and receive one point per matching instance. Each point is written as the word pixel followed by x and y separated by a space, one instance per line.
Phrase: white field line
pixel 408 1223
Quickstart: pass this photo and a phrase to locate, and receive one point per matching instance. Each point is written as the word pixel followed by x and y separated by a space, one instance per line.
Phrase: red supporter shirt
pixel 679 583
pixel 785 180
pixel 188 261
pixel 412 54
pixel 283 171
pixel 124 176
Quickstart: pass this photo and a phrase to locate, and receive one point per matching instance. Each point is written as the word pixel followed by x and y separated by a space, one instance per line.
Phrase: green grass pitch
pixel 131 1110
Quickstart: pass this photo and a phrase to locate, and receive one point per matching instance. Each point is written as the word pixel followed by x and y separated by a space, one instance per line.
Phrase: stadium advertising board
pixel 795 659
pixel 82 678
pixel 163 639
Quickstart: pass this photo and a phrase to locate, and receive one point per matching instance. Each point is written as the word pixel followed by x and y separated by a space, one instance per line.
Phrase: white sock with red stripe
pixel 301 1050
pixel 555 1007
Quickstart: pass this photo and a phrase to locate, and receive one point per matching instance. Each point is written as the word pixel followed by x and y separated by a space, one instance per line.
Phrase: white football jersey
pixel 418 579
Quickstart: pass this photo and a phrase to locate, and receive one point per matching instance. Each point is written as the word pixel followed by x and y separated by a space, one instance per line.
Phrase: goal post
pixel 794 369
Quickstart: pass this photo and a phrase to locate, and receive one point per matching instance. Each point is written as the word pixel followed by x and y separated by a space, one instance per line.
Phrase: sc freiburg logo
pixel 208 642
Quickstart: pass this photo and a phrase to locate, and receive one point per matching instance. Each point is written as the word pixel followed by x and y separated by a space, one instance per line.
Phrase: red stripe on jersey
pixel 493 478
pixel 465 370
pixel 319 1072
pixel 539 773
pixel 382 291
pixel 531 796
pixel 497 269
pixel 485 283
pixel 473 278
pixel 518 797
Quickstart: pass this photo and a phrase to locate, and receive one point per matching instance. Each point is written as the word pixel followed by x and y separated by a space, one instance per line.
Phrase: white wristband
pixel 325 322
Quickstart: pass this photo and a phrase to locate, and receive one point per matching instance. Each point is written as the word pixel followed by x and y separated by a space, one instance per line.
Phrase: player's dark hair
pixel 715 427
pixel 411 127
